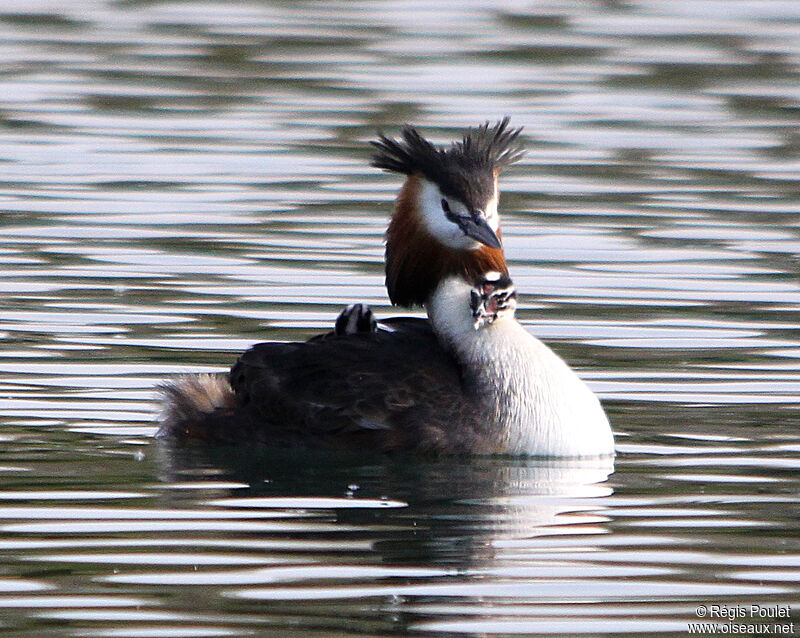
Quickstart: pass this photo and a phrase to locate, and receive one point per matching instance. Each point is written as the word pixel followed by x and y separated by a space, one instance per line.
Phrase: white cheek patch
pixel 491 212
pixel 436 222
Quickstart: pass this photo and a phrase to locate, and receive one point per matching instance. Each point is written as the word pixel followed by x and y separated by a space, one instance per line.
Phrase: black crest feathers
pixel 484 148
pixel 496 146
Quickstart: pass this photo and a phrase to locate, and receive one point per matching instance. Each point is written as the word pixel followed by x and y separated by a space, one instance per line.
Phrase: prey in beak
pixel 493 297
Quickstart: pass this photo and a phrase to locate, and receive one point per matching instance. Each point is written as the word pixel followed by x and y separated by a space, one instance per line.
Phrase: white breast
pixel 540 406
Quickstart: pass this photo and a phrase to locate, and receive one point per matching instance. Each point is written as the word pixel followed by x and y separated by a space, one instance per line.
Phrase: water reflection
pixel 450 515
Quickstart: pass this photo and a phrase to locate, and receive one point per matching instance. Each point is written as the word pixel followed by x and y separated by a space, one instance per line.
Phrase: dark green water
pixel 181 180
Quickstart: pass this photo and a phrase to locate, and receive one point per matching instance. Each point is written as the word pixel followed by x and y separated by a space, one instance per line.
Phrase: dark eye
pixel 447 212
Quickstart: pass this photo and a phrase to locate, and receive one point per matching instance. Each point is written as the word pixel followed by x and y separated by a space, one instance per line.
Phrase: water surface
pixel 181 180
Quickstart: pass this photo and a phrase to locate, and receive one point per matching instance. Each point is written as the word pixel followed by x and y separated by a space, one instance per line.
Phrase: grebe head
pixel 445 220
pixel 454 189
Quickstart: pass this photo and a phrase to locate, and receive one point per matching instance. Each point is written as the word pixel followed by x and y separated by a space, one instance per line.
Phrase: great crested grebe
pixel 469 380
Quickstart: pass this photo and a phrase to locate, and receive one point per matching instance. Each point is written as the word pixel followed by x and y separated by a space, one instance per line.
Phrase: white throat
pixel 542 406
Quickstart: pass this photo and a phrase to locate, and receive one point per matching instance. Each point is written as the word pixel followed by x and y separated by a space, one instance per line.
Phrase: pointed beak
pixel 478 228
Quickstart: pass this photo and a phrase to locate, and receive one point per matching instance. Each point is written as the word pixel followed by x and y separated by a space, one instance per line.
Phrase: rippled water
pixel 180 180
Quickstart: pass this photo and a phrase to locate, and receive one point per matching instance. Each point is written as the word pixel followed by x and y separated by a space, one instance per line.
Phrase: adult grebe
pixel 469 380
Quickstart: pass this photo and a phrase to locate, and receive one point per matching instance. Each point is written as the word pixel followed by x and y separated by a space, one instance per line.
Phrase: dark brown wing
pixel 396 388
